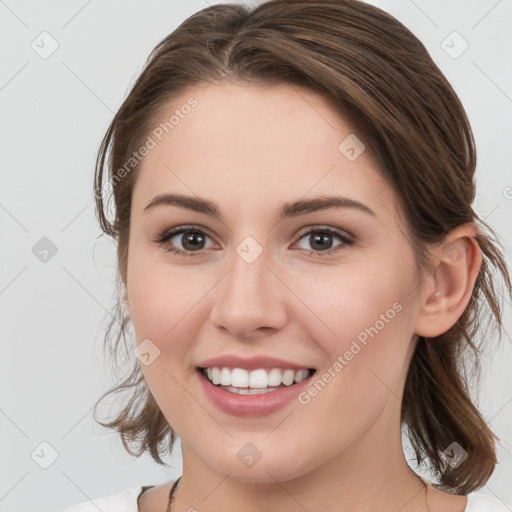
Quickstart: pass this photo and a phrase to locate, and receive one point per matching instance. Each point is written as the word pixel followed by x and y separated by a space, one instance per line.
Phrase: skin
pixel 248 149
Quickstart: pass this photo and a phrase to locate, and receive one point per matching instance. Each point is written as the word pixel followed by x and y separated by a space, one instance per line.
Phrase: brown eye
pixel 320 239
pixel 192 240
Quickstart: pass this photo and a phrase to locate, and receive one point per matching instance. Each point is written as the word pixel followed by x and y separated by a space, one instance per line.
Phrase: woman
pixel 301 264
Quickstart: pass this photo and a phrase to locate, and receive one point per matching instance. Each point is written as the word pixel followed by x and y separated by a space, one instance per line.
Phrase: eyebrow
pixel 287 210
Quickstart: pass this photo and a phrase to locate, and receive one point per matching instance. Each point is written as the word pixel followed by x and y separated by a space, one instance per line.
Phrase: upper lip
pixel 250 363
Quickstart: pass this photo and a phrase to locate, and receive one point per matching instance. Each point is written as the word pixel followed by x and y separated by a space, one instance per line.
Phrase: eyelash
pixel 163 238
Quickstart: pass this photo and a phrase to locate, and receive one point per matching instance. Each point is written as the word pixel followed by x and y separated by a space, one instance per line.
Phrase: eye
pixel 193 239
pixel 321 239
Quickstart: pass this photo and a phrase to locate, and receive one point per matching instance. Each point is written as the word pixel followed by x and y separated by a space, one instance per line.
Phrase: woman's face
pixel 254 284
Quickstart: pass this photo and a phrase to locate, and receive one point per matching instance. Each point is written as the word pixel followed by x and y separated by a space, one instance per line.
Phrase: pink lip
pixel 252 405
pixel 250 363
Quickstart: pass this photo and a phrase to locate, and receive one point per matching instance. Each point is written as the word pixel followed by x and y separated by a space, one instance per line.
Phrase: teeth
pixel 240 379
pixel 248 391
pixel 215 376
pixel 301 375
pixel 288 376
pixel 275 377
pixel 258 379
pixel 225 377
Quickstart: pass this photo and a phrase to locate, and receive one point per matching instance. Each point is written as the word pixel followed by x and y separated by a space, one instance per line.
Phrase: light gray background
pixel 54 112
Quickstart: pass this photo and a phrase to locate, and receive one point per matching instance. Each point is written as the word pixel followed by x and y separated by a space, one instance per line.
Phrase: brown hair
pixel 395 97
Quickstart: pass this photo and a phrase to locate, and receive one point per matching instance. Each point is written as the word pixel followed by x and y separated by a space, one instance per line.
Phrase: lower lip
pixel 252 405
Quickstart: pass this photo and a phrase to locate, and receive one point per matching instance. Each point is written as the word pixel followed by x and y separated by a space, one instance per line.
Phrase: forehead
pixel 252 144
pixel 239 121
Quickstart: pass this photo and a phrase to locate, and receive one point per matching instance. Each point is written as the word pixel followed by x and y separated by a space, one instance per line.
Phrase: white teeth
pixel 274 377
pixel 260 379
pixel 288 376
pixel 215 376
pixel 225 377
pixel 248 391
pixel 239 378
pixel 255 391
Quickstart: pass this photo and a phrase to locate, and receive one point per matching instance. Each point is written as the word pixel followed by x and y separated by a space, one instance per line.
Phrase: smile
pixel 253 382
pixel 252 391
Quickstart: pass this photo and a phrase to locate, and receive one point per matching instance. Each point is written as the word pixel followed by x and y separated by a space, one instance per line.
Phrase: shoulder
pixel 125 501
pixel 478 502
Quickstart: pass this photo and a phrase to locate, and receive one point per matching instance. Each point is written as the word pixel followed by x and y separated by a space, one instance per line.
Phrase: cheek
pixel 367 321
pixel 161 295
pixel 163 301
pixel 360 303
pixel 366 359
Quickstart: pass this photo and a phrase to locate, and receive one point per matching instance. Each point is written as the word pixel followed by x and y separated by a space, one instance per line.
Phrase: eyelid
pixel 332 229
pixel 183 227
pixel 178 229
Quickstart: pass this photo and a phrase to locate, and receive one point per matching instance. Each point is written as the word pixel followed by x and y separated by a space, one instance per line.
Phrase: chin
pixel 267 465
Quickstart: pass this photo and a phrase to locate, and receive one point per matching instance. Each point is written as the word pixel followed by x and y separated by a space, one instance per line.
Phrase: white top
pixel 126 501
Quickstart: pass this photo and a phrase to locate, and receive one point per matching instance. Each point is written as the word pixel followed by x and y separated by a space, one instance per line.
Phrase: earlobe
pixel 448 289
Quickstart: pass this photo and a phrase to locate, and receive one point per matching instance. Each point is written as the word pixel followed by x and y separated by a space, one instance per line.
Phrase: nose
pixel 250 300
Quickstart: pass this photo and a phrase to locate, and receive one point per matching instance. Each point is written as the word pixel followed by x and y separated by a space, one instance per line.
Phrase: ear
pixel 447 290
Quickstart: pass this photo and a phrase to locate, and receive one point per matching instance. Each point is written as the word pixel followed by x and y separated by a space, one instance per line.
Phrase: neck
pixel 370 475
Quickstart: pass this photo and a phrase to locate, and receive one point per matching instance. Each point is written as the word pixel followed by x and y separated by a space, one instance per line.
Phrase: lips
pixel 250 363
pixel 249 386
